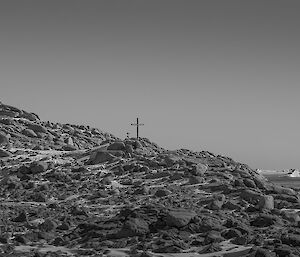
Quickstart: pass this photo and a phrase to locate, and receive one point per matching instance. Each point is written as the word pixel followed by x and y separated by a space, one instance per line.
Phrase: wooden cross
pixel 137 124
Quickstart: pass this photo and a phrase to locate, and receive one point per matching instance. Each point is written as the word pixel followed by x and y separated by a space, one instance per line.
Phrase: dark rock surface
pixel 78 191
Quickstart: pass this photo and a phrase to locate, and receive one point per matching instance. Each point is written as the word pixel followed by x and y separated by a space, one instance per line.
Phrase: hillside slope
pixel 75 191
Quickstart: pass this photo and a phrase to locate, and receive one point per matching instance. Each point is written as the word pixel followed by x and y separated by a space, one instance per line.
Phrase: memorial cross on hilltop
pixel 137 124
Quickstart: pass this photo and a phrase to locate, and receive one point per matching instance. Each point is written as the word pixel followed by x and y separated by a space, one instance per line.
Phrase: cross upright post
pixel 137 124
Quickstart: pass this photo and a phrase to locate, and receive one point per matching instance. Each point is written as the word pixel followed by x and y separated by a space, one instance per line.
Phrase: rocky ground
pixel 69 190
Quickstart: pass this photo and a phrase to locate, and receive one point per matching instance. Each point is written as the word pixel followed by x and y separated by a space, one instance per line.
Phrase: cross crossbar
pixel 137 124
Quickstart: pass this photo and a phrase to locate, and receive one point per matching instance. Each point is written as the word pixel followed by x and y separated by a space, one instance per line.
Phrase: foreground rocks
pixel 75 191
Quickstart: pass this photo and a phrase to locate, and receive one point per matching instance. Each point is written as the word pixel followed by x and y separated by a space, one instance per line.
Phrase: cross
pixel 137 124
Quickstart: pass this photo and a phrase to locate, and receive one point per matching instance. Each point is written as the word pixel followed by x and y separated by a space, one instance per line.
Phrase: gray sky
pixel 221 76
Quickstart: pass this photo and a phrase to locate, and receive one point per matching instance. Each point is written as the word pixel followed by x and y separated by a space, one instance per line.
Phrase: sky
pixel 220 76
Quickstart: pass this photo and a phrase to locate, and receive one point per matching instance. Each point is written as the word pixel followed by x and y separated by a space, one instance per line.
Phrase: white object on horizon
pixel 294 174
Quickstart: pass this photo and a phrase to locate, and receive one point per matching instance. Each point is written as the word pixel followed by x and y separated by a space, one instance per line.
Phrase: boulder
pixel 199 169
pixel 101 157
pixel 291 240
pixel 29 133
pixel 171 159
pixel 7 113
pixel 22 217
pixel 38 197
pixel 229 233
pixel 118 146
pixel 162 192
pixel 249 183
pixel 129 149
pixel 38 167
pixel 143 190
pixel 261 252
pixel 29 116
pixel 133 227
pixel 179 217
pixel 264 220
pixel 283 190
pixel 48 225
pixel 4 153
pixel 3 139
pixel 288 198
pixel 217 202
pixel 250 196
pixel 69 147
pixel 266 202
pixel 7 121
pixel 37 128
pixel 69 141
pixel 194 180
pixel 292 215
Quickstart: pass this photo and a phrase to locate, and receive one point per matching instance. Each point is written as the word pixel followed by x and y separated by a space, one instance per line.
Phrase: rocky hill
pixel 71 190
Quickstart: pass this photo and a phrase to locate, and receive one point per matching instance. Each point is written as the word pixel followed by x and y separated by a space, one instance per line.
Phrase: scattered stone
pixel 48 225
pixel 264 220
pixel 69 147
pixel 249 183
pixel 291 240
pixel 217 202
pixel 38 167
pixel 162 193
pixel 3 139
pixel 4 153
pixel 22 217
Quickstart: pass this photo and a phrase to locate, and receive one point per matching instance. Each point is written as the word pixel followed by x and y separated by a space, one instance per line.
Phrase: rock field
pixel 72 190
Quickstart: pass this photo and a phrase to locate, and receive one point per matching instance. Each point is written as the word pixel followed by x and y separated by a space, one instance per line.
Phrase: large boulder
pixel 4 153
pixel 264 220
pixel 291 239
pixel 217 202
pixel 7 113
pixel 118 146
pixel 199 169
pixel 101 157
pixel 179 217
pixel 251 196
pixel 283 190
pixel 37 128
pixel 29 133
pixel 48 225
pixel 133 227
pixel 162 192
pixel 171 159
pixel 29 116
pixel 38 167
pixel 266 202
pixel 68 147
pixel 3 139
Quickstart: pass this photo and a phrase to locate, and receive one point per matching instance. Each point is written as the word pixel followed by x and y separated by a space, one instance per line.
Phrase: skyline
pixel 215 76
